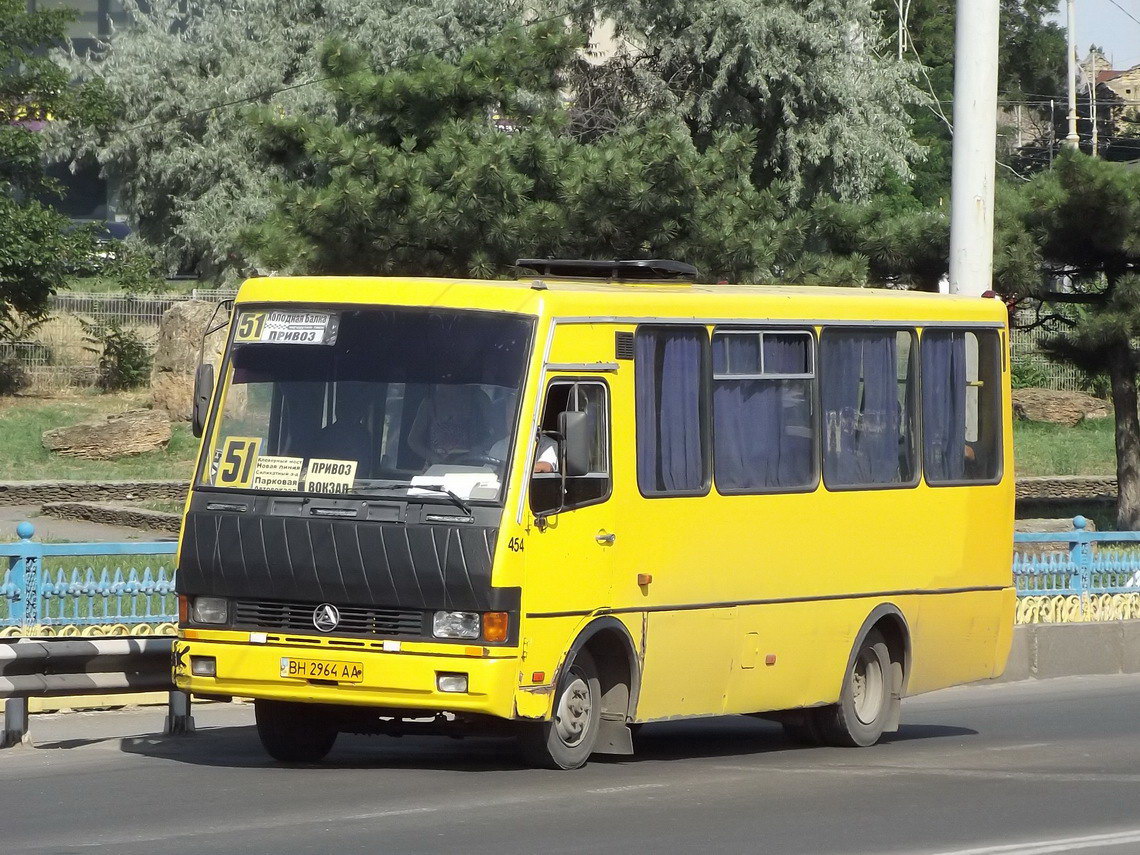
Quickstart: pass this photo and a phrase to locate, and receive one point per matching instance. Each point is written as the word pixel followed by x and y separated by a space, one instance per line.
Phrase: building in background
pixel 86 194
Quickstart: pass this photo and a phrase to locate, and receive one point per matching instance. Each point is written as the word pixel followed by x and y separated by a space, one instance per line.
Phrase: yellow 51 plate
pixel 322 669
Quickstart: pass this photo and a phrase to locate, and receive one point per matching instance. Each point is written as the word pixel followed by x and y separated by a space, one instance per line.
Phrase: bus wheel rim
pixel 572 718
pixel 867 681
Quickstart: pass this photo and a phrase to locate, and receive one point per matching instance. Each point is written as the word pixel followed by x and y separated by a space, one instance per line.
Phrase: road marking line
pixel 625 789
pixel 1047 847
pixel 983 774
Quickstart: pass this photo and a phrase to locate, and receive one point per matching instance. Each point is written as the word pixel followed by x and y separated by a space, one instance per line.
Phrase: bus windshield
pixel 422 401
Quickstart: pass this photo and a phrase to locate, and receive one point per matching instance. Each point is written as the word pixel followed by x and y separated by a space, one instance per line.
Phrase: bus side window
pixel 671 374
pixel 550 490
pixel 867 389
pixel 961 406
pixel 763 410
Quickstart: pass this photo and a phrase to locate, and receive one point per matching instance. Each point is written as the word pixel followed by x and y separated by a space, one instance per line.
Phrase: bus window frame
pixel 1003 367
pixel 915 361
pixel 812 333
pixel 561 475
pixel 705 410
pixel 206 450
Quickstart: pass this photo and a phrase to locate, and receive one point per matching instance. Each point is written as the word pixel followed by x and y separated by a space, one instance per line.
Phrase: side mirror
pixel 203 392
pixel 575 430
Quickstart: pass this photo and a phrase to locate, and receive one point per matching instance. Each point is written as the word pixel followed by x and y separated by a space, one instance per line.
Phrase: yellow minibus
pixel 597 496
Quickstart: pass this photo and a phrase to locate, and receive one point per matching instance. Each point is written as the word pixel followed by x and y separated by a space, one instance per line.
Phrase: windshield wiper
pixel 405 485
pixel 439 488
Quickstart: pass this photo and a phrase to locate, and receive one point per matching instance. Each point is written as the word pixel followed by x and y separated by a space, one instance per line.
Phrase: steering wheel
pixel 475 458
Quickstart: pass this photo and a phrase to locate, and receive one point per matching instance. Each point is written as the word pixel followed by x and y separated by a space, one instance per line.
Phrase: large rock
pixel 176 356
pixel 107 437
pixel 1062 408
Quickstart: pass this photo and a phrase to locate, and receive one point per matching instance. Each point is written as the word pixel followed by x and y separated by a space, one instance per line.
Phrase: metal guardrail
pixel 1092 562
pixel 70 667
pixel 84 584
pixel 74 588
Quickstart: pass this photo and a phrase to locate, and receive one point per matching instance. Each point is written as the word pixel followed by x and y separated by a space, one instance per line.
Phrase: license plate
pixel 322 669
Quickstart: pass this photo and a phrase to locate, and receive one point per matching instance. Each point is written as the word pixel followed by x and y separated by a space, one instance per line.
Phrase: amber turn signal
pixel 494 626
pixel 183 609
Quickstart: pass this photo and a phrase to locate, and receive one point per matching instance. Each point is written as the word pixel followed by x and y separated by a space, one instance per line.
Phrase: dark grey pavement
pixel 1035 767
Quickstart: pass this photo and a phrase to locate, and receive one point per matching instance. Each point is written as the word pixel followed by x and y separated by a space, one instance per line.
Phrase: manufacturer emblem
pixel 326 617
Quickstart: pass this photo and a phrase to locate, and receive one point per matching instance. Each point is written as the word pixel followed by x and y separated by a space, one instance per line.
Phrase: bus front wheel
pixel 864 707
pixel 294 733
pixel 568 739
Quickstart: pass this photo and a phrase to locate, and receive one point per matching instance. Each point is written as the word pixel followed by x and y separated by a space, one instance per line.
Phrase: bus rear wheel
pixel 294 733
pixel 568 739
pixel 864 707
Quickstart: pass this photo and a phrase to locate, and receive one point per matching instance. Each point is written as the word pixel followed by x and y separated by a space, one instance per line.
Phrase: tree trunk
pixel 1122 372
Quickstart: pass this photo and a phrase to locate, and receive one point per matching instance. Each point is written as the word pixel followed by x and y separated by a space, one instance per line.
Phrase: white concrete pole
pixel 1092 109
pixel 975 147
pixel 1072 139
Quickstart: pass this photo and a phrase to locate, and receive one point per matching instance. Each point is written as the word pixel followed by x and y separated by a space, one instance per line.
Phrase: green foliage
pixel 38 245
pixel 1031 57
pixel 14 377
pixel 1027 375
pixel 412 177
pixel 194 174
pixel 1084 218
pixel 124 359
pixel 130 266
pixel 901 244
pixel 813 80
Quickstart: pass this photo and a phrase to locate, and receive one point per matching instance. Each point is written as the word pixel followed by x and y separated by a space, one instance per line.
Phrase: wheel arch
pixel 608 641
pixel 892 624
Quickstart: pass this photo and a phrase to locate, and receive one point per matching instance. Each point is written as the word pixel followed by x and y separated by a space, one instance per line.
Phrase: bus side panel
pixel 793 654
pixel 959 638
pixel 690 657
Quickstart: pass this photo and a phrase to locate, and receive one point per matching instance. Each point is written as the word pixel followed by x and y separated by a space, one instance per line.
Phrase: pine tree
pixel 1084 218
pixel 460 168
pixel 183 73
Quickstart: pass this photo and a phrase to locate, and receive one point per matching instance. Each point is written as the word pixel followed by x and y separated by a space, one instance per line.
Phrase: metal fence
pixel 78 585
pixel 1084 562
pixel 1029 362
pixel 59 355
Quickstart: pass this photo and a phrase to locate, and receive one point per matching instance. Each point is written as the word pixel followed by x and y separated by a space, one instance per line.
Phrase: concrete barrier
pixel 1045 650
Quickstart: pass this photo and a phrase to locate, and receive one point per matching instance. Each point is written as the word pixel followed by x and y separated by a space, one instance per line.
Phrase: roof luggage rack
pixel 633 270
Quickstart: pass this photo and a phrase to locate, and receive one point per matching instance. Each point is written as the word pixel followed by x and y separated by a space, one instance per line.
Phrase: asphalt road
pixel 1034 767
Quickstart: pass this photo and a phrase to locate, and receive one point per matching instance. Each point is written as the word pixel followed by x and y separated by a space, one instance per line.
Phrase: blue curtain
pixel 670 456
pixel 762 428
pixel 944 405
pixel 862 424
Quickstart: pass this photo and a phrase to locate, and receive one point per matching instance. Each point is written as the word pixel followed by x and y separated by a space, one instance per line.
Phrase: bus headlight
pixel 210 610
pixel 455 625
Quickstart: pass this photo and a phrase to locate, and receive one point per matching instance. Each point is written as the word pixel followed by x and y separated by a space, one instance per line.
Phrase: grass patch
pixel 1046 449
pixel 23 457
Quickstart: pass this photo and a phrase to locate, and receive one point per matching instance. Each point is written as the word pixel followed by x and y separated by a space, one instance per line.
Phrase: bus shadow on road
pixel 238 746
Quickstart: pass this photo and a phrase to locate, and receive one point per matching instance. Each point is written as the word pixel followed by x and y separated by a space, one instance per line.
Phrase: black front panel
pixel 273 615
pixel 247 551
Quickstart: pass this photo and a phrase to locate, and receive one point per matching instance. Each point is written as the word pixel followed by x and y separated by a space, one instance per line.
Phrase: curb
pixel 1045 650
pixel 109 514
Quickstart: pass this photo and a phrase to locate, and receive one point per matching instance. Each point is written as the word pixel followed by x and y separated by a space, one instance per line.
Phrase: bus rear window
pixel 961 406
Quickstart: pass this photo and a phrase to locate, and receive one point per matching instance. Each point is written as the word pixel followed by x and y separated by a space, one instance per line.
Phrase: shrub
pixel 124 358
pixel 14 376
pixel 1027 375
